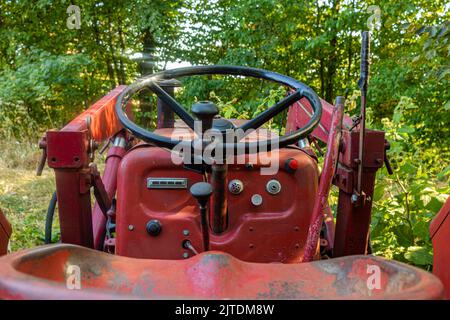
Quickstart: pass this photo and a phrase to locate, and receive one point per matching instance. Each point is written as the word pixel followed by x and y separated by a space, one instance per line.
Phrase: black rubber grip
pixel 365 51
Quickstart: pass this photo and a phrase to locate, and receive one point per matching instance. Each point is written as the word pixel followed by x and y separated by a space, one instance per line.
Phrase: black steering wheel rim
pixel 150 81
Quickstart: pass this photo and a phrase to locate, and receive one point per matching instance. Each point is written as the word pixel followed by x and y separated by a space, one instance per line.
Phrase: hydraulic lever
pixel 358 196
pixel 202 191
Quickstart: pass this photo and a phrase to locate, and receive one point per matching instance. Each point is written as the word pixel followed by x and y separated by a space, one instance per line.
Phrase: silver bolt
pixel 354 198
pixel 130 227
pixel 185 255
pixel 256 199
pixel 185 232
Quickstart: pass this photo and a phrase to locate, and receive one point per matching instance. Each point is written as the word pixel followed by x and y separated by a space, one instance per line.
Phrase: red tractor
pixel 195 210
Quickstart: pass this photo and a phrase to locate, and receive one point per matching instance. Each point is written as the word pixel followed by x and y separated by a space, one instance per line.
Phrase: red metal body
pixel 299 115
pixel 5 233
pixel 238 267
pixel 353 221
pixel 41 274
pixel 113 159
pixel 275 231
pixel 440 235
pixel 321 201
pixel 68 154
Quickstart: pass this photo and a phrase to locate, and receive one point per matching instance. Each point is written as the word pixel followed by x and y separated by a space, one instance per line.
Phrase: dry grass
pixel 24 197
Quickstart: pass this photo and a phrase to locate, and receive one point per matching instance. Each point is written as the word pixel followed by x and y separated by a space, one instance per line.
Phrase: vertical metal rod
pixel 363 81
pixel 205 228
pixel 219 206
pixel 166 117
pixel 112 162
pixel 326 178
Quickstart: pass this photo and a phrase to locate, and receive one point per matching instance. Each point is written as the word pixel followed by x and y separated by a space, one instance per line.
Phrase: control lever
pixel 41 165
pixel 205 111
pixel 387 163
pixel 202 191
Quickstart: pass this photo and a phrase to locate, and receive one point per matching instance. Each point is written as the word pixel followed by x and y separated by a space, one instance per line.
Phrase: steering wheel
pixel 203 109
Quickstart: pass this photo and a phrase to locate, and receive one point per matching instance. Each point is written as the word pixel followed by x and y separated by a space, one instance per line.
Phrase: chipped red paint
pixel 353 222
pixel 41 273
pixel 299 114
pixel 104 122
pixel 321 200
pixel 113 159
pixel 67 154
pixel 275 231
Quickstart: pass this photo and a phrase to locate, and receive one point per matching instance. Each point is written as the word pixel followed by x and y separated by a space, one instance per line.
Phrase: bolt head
pixel 185 255
pixel 185 232
pixel 257 200
pixel 130 227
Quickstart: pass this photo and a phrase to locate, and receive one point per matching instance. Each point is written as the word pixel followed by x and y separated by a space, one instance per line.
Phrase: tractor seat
pixel 43 273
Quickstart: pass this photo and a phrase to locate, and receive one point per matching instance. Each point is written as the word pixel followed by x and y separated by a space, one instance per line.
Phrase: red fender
pixel 5 233
pixel 440 235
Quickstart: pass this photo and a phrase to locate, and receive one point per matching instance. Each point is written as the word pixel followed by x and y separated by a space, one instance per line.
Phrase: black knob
pixel 205 111
pixel 201 191
pixel 153 228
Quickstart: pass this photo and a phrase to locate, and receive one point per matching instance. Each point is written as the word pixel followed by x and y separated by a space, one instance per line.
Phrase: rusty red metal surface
pixel 275 231
pixel 42 273
pixel 5 233
pixel 104 122
pixel 68 154
pixel 326 178
pixel 353 221
pixel 115 155
pixel 300 112
pixel 440 235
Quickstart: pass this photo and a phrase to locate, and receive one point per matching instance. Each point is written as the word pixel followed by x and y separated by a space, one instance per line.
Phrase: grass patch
pixel 24 197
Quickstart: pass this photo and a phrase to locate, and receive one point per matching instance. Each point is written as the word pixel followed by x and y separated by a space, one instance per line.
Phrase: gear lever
pixel 201 191
pixel 205 111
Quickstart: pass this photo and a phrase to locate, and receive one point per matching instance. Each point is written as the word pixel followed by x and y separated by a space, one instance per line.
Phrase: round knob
pixel 201 191
pixel 154 228
pixel 291 165
pixel 205 109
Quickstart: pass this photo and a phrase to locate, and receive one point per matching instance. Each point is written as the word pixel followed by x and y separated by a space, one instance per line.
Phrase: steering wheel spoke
pixel 172 103
pixel 273 111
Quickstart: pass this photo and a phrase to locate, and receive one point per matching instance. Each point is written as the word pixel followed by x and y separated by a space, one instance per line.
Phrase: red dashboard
pixel 267 220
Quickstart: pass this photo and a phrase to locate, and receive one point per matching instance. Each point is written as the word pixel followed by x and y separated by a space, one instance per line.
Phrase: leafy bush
pixel 406 202
pixel 45 91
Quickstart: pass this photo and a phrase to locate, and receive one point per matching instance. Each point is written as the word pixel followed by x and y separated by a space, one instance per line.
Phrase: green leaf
pixel 405 129
pixel 408 168
pixel 419 255
pixel 378 192
pixel 434 205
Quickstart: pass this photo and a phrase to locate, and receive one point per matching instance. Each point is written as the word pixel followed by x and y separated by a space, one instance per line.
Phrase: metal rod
pixel 219 214
pixel 205 228
pixel 166 117
pixel 326 178
pixel 363 81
